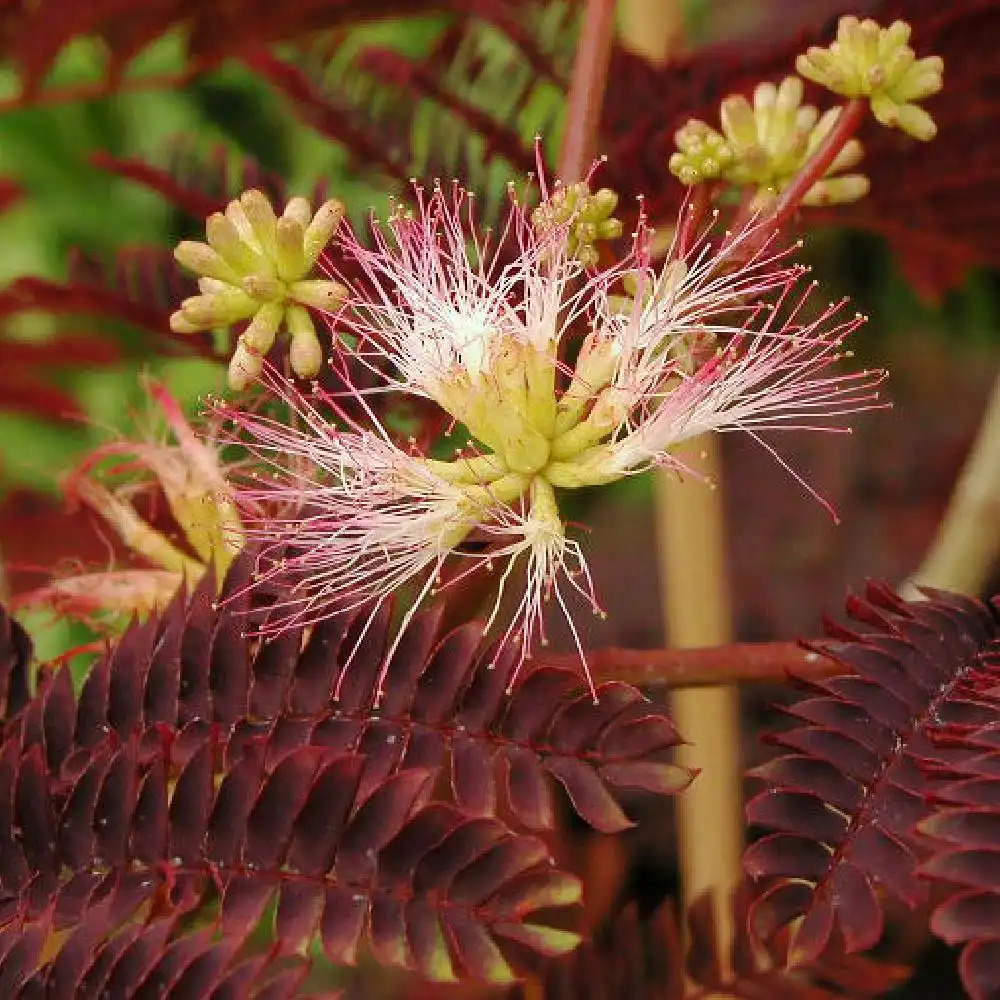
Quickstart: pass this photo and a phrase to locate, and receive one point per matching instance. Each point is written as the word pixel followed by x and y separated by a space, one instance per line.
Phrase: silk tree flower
pixel 725 339
pixel 193 482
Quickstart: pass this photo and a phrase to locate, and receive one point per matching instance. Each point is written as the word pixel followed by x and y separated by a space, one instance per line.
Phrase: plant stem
pixel 740 662
pixel 967 543
pixel 586 90
pixel 696 608
pixel 851 116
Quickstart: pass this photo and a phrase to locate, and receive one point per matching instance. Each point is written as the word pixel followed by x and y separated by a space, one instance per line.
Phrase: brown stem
pixel 850 117
pixel 586 90
pixel 741 662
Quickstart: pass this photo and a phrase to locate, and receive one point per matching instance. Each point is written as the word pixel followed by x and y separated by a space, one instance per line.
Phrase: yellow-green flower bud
pixel 263 328
pixel 837 190
pixel 289 253
pixel 261 217
pixel 226 241
pixel 264 288
pixel 219 308
pixel 305 354
pixel 321 229
pixel 202 259
pixel 319 293
pixel 244 367
pixel 867 60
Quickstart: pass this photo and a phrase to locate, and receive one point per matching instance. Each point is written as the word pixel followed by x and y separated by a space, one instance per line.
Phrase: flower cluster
pixel 766 144
pixel 559 382
pixel 867 60
pixel 190 478
pixel 255 266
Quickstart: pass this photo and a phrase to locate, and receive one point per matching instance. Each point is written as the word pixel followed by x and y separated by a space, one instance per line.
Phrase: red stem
pixel 586 90
pixel 851 116
pixel 735 663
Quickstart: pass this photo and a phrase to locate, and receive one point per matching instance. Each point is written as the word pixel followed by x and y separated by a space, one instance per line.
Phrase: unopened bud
pixel 264 288
pixel 305 354
pixel 262 329
pixel 320 231
pixel 289 254
pixel 203 260
pixel 219 309
pixel 298 210
pixel 319 293
pixel 837 190
pixel 226 241
pixel 244 367
pixel 260 215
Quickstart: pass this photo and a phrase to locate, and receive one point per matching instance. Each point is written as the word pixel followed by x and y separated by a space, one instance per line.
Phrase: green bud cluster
pixel 867 60
pixel 585 217
pixel 255 267
pixel 702 154
pixel 766 143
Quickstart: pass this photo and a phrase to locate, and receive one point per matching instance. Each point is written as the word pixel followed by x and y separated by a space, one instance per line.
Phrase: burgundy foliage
pixel 15 655
pixel 33 34
pixel 936 208
pixel 844 800
pixel 200 777
pixel 933 202
pixel 965 833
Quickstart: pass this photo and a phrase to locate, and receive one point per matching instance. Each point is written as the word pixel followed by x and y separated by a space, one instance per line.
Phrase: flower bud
pixel 264 288
pixel 305 354
pixel 203 260
pixel 218 309
pixel 228 244
pixel 256 264
pixel 289 254
pixel 262 329
pixel 319 293
pixel 298 210
pixel 244 367
pixel 320 230
pixel 260 215
pixel 837 190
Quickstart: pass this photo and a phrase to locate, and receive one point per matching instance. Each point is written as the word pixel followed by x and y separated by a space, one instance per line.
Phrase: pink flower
pixel 722 340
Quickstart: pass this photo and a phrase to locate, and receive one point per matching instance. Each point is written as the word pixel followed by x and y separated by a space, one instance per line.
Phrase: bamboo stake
pixel 696 611
pixel 965 549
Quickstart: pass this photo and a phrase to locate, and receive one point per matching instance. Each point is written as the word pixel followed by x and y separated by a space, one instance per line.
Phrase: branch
pixel 740 662
pixel 586 90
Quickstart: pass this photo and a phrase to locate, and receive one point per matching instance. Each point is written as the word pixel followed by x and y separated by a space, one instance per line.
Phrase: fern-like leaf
pixel 965 832
pixel 844 800
pixel 448 701
pixel 15 655
pixel 196 764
